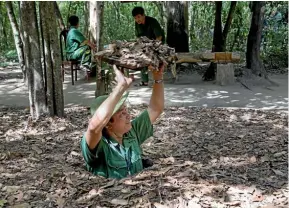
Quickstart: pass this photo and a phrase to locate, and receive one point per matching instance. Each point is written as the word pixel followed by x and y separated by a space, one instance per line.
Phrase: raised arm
pixel 156 105
pixel 103 114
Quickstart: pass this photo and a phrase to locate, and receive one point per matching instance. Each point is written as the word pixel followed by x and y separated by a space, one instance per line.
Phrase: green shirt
pixel 112 160
pixel 73 40
pixel 151 29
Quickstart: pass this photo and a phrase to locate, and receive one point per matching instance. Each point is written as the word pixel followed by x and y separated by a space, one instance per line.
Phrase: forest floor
pixel 203 157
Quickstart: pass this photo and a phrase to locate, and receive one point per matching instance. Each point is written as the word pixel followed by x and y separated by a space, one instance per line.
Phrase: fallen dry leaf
pixel 257 197
pixel 210 155
pixel 119 202
pixel 158 205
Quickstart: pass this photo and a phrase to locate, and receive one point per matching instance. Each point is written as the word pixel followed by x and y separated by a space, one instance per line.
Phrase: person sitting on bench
pixel 77 46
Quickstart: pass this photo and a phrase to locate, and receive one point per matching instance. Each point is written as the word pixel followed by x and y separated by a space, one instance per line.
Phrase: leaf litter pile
pixel 202 158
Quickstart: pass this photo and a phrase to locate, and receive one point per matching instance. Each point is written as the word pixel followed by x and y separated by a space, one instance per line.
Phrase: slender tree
pixel 17 38
pixel 228 24
pixel 95 29
pixel 220 37
pixel 59 16
pixel 253 60
pixel 32 57
pixel 54 88
pixel 96 22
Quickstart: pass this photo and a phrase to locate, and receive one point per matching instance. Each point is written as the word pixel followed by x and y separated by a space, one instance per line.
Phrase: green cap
pixel 99 100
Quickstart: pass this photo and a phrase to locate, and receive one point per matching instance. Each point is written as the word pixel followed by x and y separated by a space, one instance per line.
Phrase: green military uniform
pixel 151 29
pixel 76 48
pixel 112 160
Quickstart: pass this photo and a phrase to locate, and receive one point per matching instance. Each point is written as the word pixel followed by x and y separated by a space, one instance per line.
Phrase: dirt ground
pixel 202 158
pixel 212 155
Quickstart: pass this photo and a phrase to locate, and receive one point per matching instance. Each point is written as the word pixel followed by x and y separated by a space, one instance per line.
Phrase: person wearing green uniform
pixel 149 27
pixel 111 145
pixel 77 46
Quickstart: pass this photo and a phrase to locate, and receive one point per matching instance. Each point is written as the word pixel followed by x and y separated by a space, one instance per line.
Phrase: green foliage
pixel 118 20
pixel 275 47
pixel 2 202
pixel 275 42
pixel 68 8
pixel 6 35
pixel 119 25
pixel 202 25
pixel 11 55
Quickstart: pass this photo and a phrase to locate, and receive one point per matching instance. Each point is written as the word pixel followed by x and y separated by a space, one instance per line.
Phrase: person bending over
pixel 149 27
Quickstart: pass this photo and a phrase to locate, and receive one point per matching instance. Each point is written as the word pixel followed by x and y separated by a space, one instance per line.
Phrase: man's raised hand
pixel 120 79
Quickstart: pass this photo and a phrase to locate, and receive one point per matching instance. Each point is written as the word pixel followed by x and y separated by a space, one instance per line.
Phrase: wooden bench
pixel 224 60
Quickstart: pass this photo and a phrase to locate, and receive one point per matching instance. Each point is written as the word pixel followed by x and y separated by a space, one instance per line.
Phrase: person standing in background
pixel 149 27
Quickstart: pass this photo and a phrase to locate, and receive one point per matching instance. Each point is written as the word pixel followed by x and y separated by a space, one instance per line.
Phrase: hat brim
pixel 120 103
pixel 98 101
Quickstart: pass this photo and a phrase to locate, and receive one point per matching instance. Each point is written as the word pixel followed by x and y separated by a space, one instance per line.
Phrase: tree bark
pixel 95 30
pixel 32 57
pixel 54 93
pixel 59 16
pixel 220 37
pixel 86 19
pixel 253 59
pixel 218 40
pixel 228 24
pixel 96 22
pixel 177 34
pixel 17 38
pixel 20 25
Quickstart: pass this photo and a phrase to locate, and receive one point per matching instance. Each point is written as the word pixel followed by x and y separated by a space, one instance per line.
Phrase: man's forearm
pixel 104 112
pixel 157 98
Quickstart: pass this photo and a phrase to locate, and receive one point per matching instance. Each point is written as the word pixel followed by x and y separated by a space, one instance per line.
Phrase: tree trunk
pixel 95 29
pixel 186 16
pixel 32 57
pixel 54 91
pixel 20 25
pixel 96 22
pixel 17 38
pixel 218 40
pixel 86 18
pixel 59 16
pixel 253 60
pixel 210 73
pixel 177 35
pixel 228 24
